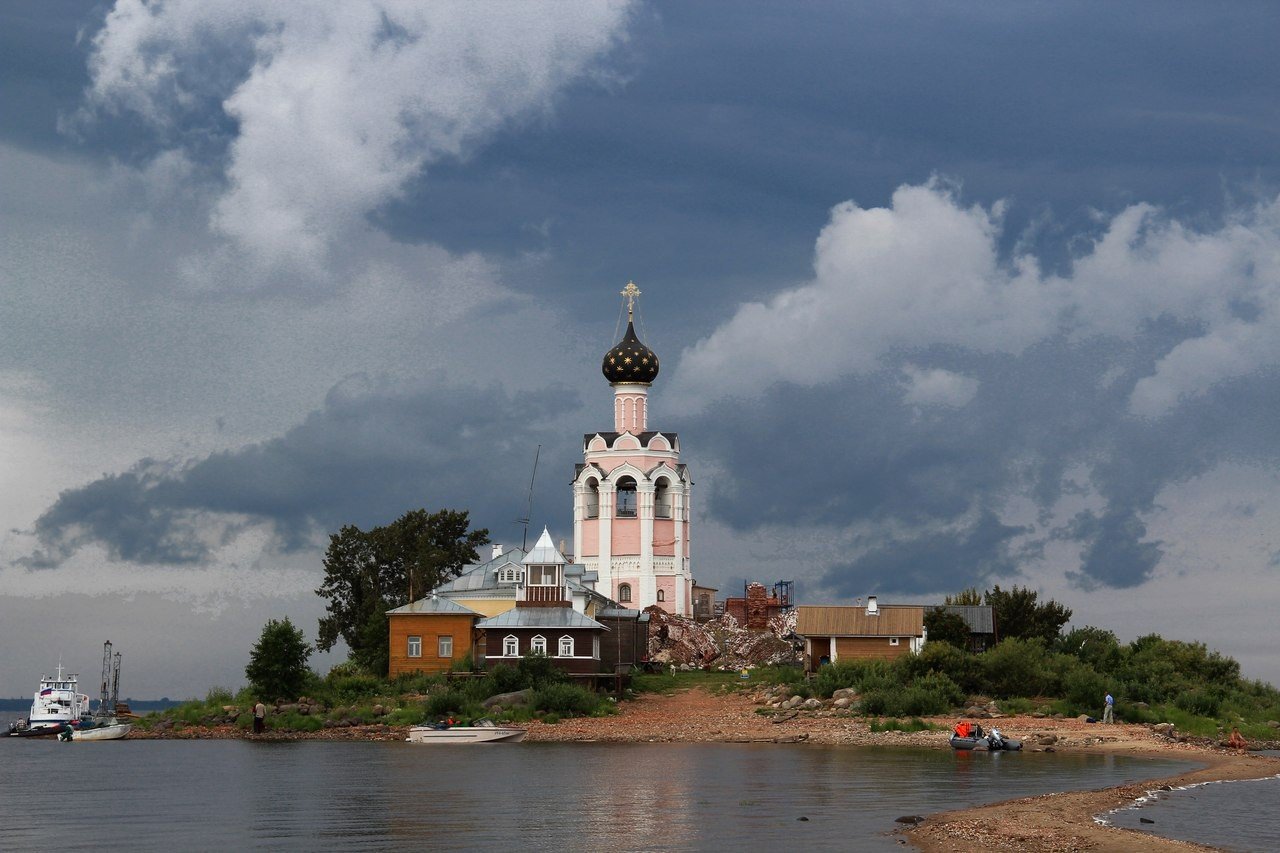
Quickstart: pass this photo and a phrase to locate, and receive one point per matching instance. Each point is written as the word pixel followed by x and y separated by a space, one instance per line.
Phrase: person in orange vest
pixel 962 728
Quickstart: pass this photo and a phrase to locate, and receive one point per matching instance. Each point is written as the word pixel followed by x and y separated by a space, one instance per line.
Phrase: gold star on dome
pixel 627 360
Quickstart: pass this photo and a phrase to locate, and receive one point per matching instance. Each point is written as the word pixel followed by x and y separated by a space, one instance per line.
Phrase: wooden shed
pixel 873 632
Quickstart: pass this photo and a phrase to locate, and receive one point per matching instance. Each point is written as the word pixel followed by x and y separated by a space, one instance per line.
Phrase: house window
pixel 445 646
pixel 538 646
pixel 544 576
pixel 662 500
pixel 566 646
pixel 893 641
pixel 509 575
pixel 510 647
pixel 624 592
pixel 662 595
pixel 595 647
pixel 626 498
pixel 415 647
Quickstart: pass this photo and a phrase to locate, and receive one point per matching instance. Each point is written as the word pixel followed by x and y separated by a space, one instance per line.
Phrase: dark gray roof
pixel 980 617
pixel 622 613
pixel 540 617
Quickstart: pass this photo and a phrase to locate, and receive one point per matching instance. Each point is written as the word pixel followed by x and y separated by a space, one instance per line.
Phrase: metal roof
pixel 434 604
pixel 540 617
pixel 544 553
pixel 894 620
pixel 980 617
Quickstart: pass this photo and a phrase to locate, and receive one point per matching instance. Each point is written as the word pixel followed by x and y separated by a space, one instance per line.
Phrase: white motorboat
pixel 484 731
pixel 108 731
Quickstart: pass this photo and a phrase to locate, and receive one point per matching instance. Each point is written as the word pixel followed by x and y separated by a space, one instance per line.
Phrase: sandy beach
pixel 1052 822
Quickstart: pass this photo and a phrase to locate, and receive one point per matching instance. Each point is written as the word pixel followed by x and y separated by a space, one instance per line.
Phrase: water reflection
pixel 309 795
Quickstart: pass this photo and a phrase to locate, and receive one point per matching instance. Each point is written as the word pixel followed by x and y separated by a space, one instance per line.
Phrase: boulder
pixel 1275 724
pixel 842 703
pixel 812 704
pixel 518 698
pixel 845 693
pixel 1047 739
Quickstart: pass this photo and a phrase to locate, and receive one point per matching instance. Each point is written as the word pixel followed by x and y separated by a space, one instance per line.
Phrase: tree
pixel 1018 615
pixel 370 572
pixel 278 661
pixel 947 627
pixel 969 596
pixel 1097 647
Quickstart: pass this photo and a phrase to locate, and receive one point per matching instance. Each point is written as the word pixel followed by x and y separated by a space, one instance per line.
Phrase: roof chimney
pixel 873 609
pixel 497 550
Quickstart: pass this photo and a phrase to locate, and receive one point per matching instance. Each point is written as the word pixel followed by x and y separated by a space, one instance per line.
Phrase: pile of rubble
pixel 722 643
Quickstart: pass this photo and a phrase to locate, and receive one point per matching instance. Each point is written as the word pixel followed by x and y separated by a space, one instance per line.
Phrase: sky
pixel 945 296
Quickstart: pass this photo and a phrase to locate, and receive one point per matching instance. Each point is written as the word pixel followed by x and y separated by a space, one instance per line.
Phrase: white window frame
pixel 441 642
pixel 893 641
pixel 510 646
pixel 414 647
pixel 565 642
pixel 538 645
pixel 595 647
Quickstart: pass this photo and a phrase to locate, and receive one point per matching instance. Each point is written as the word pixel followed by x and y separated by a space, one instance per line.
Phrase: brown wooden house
pixel 874 632
pixel 430 635
pixel 544 620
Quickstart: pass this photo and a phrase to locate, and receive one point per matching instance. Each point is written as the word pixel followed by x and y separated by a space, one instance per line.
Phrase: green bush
pixel 1017 667
pixel 292 721
pixel 538 670
pixel 410 716
pixel 1085 690
pixel 566 699
pixel 915 724
pixel 353 687
pixel 445 702
pixel 1203 703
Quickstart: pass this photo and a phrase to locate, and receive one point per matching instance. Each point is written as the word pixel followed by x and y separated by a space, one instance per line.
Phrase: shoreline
pixel 1049 822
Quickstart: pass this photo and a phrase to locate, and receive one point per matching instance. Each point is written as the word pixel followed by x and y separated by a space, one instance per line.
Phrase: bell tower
pixel 631 493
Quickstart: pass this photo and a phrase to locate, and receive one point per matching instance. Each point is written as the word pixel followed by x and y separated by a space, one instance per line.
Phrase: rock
pixel 802 817
pixel 845 693
pixel 1039 715
pixel 1164 729
pixel 518 698
pixel 842 703
pixel 911 819
pixel 1275 724
pixel 1047 739
pixel 1141 706
pixel 812 704
pixel 1145 820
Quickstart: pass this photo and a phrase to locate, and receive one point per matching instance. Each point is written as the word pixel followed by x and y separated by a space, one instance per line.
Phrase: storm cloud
pixel 373 451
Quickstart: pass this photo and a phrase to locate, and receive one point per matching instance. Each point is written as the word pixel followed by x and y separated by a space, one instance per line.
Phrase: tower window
pixel 662 500
pixel 593 499
pixel 624 592
pixel 626 498
pixel 662 595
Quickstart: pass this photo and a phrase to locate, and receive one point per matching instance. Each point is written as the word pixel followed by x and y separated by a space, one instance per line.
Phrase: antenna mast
pixel 528 512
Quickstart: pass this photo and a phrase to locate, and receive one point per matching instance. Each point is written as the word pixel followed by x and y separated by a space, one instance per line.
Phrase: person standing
pixel 260 718
pixel 1108 709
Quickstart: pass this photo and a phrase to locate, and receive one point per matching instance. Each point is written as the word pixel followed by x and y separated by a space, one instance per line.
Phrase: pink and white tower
pixel 631 494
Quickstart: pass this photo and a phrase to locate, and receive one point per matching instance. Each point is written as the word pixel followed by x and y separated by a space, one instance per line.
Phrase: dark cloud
pixel 1053 421
pixel 370 453
pixel 978 554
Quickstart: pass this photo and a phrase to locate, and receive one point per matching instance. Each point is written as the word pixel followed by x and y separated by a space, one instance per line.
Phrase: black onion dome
pixel 630 360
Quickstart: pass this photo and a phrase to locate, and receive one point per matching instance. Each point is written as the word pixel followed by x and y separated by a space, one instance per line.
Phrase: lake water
pixel 220 795
pixel 1234 816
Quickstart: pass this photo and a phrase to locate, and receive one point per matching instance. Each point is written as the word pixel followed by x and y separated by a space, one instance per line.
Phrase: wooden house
pixel 543 620
pixel 432 634
pixel 873 632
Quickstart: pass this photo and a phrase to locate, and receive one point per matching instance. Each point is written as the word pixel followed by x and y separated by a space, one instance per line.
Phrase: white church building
pixel 631 493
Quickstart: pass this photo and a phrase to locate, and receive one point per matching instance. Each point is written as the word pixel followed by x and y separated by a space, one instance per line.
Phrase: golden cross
pixel 631 292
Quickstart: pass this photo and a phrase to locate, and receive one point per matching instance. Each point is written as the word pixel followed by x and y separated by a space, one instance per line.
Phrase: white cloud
pixel 337 105
pixel 925 271
pixel 937 387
